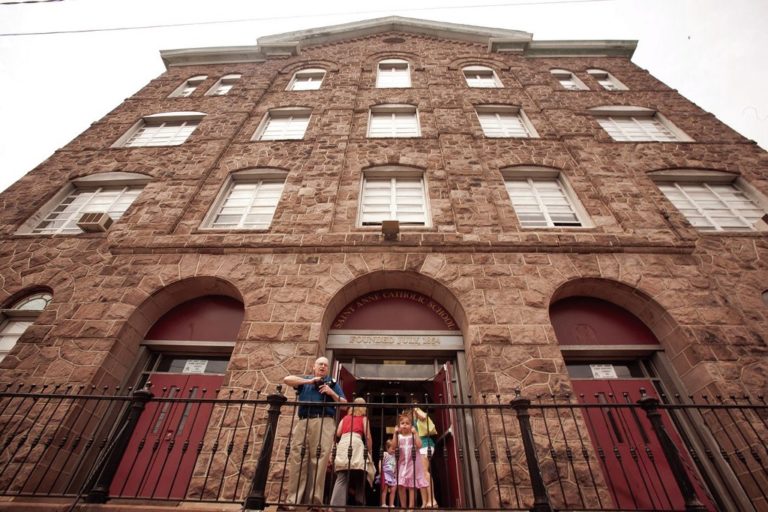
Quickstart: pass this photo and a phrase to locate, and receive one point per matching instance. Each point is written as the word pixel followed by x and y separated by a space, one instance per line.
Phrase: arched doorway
pixel 184 355
pixel 394 346
pixel 612 359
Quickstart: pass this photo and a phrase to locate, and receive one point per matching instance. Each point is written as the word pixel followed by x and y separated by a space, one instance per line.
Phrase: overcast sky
pixel 54 85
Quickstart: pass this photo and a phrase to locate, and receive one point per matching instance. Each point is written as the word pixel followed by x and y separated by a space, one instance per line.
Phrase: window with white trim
pixel 503 121
pixel 393 121
pixel 542 198
pixel 637 124
pixel 481 76
pixel 284 124
pixel 167 129
pixel 224 85
pixel 393 193
pixel 568 80
pixel 111 193
pixel 16 319
pixel 307 80
pixel 713 200
pixel 188 87
pixel 249 200
pixel 391 73
pixel 606 80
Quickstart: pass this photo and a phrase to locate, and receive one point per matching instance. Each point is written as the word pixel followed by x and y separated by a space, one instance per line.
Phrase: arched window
pixel 103 197
pixel 166 129
pixel 606 80
pixel 637 124
pixel 393 193
pixel 391 73
pixel 482 77
pixel 288 123
pixel 188 87
pixel 224 85
pixel 18 317
pixel 568 80
pixel 248 200
pixel 307 80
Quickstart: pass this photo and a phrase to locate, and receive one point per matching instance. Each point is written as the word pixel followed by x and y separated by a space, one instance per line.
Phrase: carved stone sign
pixel 394 310
pixel 393 340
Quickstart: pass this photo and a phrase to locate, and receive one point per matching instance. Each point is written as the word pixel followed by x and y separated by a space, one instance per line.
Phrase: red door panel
pixel 162 451
pixel 447 427
pixel 631 456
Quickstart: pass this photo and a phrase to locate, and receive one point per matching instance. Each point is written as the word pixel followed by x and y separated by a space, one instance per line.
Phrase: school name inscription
pixel 374 297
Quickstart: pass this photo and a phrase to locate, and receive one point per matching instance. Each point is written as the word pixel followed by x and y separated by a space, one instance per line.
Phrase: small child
pixel 410 471
pixel 388 478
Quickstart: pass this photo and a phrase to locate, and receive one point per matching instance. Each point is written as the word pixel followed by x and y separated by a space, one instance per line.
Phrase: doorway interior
pixel 397 383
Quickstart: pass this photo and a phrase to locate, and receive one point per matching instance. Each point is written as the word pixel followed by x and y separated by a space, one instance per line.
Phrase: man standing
pixel 315 429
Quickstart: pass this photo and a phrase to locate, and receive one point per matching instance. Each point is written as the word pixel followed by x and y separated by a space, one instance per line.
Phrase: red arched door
pixel 161 454
pixel 632 459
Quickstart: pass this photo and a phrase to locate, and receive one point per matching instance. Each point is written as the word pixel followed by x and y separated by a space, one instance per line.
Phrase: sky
pixel 64 64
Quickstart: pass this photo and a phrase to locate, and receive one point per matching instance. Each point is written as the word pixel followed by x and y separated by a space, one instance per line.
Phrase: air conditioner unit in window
pixel 94 222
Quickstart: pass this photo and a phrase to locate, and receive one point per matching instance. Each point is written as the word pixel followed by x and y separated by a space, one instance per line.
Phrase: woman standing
pixel 353 463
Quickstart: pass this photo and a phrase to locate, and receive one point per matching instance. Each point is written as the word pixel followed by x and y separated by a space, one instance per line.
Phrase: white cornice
pixel 497 40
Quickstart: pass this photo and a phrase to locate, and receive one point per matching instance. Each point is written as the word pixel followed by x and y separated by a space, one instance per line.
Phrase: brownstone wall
pixel 699 293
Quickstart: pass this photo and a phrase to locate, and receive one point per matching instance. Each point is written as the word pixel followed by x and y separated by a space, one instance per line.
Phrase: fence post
pixel 540 497
pixel 99 493
pixel 650 406
pixel 257 499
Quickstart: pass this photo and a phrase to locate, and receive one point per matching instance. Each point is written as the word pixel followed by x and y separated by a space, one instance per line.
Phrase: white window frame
pixel 112 180
pixel 395 75
pixel 188 87
pixel 568 80
pixel 474 79
pixel 680 180
pixel 606 80
pixel 532 174
pixel 504 116
pixel 224 85
pixel 256 177
pixel 16 319
pixel 392 174
pixel 613 120
pixel 183 124
pixel 310 79
pixel 286 119
pixel 394 111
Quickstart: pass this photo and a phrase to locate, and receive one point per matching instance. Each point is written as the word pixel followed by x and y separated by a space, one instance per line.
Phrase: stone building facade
pixel 696 281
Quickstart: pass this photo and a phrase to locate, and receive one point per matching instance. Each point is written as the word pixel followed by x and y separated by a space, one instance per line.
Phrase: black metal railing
pixel 542 453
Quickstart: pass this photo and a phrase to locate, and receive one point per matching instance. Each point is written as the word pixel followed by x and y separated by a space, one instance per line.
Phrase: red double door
pixel 633 462
pixel 162 452
pixel 447 463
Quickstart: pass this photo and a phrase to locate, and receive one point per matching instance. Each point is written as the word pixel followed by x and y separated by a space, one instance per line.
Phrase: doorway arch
pixel 400 334
pixel 613 359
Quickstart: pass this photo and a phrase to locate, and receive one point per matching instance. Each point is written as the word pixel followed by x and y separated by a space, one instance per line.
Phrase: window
pixel 111 193
pixel 307 80
pixel 627 124
pixel 393 73
pixel 712 200
pixel 542 198
pixel 502 121
pixel 481 76
pixel 188 87
pixel 568 80
pixel 393 193
pixel 607 80
pixel 393 121
pixel 284 124
pixel 168 129
pixel 249 200
pixel 224 85
pixel 18 317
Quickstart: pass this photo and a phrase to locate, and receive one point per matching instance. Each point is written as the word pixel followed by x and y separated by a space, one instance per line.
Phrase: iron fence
pixel 553 452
